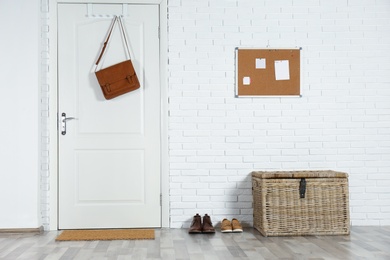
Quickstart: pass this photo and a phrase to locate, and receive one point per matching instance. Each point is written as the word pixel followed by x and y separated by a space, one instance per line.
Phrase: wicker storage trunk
pixel 301 203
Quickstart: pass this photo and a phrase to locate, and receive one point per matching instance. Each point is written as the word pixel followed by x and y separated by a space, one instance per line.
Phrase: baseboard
pixel 22 230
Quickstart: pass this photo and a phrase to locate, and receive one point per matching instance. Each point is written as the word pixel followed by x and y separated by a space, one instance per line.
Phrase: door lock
pixel 63 122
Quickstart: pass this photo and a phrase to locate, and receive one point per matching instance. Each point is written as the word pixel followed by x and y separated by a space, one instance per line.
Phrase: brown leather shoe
pixel 207 226
pixel 196 225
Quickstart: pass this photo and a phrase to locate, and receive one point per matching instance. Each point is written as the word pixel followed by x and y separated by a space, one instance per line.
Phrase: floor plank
pixel 362 243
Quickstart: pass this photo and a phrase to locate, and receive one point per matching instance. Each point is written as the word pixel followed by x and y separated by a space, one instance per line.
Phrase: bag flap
pixel 115 72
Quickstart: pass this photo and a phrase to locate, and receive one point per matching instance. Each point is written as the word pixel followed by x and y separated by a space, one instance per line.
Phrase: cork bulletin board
pixel 268 72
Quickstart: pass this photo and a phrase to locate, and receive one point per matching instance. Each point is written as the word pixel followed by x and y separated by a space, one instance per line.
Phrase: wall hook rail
pixel 91 14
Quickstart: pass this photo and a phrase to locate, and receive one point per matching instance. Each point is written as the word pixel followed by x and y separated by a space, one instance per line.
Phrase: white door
pixel 109 157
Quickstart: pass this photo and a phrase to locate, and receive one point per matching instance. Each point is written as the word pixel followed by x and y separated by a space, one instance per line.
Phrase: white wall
pixel 19 114
pixel 342 121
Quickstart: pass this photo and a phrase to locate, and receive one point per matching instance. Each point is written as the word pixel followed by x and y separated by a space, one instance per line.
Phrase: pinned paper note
pixel 246 81
pixel 260 63
pixel 282 70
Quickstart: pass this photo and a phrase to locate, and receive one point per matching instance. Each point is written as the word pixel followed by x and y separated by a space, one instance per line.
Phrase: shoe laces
pixel 226 223
pixel 207 219
pixel 235 222
pixel 195 219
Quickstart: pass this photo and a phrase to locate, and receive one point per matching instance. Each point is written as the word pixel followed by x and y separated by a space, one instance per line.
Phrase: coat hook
pixel 124 10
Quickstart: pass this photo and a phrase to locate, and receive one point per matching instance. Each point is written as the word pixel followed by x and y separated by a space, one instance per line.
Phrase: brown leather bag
pixel 120 78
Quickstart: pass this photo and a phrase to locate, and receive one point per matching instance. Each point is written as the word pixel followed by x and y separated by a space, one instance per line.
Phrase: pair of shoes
pixel 197 226
pixel 228 227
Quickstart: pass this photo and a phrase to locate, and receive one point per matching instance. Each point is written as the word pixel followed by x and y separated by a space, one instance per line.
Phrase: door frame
pixel 53 105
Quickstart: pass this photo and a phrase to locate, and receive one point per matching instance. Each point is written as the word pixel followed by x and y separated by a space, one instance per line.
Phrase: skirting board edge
pixel 22 230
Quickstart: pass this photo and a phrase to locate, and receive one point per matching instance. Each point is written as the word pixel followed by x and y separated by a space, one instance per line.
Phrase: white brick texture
pixel 45 135
pixel 341 122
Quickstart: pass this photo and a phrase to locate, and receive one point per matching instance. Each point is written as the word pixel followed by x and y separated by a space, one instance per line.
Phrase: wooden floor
pixel 363 243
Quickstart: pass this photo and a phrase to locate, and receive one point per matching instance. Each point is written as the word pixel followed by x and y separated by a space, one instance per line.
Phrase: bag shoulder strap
pixel 109 35
pixel 107 39
pixel 124 37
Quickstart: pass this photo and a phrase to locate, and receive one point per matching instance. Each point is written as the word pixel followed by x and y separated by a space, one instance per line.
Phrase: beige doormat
pixel 106 234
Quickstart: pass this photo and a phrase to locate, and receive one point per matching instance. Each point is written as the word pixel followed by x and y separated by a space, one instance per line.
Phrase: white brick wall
pixel 342 121
pixel 45 136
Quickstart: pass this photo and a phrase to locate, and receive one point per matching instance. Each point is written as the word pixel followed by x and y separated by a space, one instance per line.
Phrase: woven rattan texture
pixel 299 174
pixel 279 210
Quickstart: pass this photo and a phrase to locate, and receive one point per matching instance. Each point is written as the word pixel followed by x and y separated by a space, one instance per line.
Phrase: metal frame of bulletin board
pixel 268 72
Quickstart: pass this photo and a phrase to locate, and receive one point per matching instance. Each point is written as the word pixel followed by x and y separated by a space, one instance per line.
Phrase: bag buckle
pixel 107 87
pixel 130 79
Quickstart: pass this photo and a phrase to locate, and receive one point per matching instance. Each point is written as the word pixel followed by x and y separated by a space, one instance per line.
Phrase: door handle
pixel 64 119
